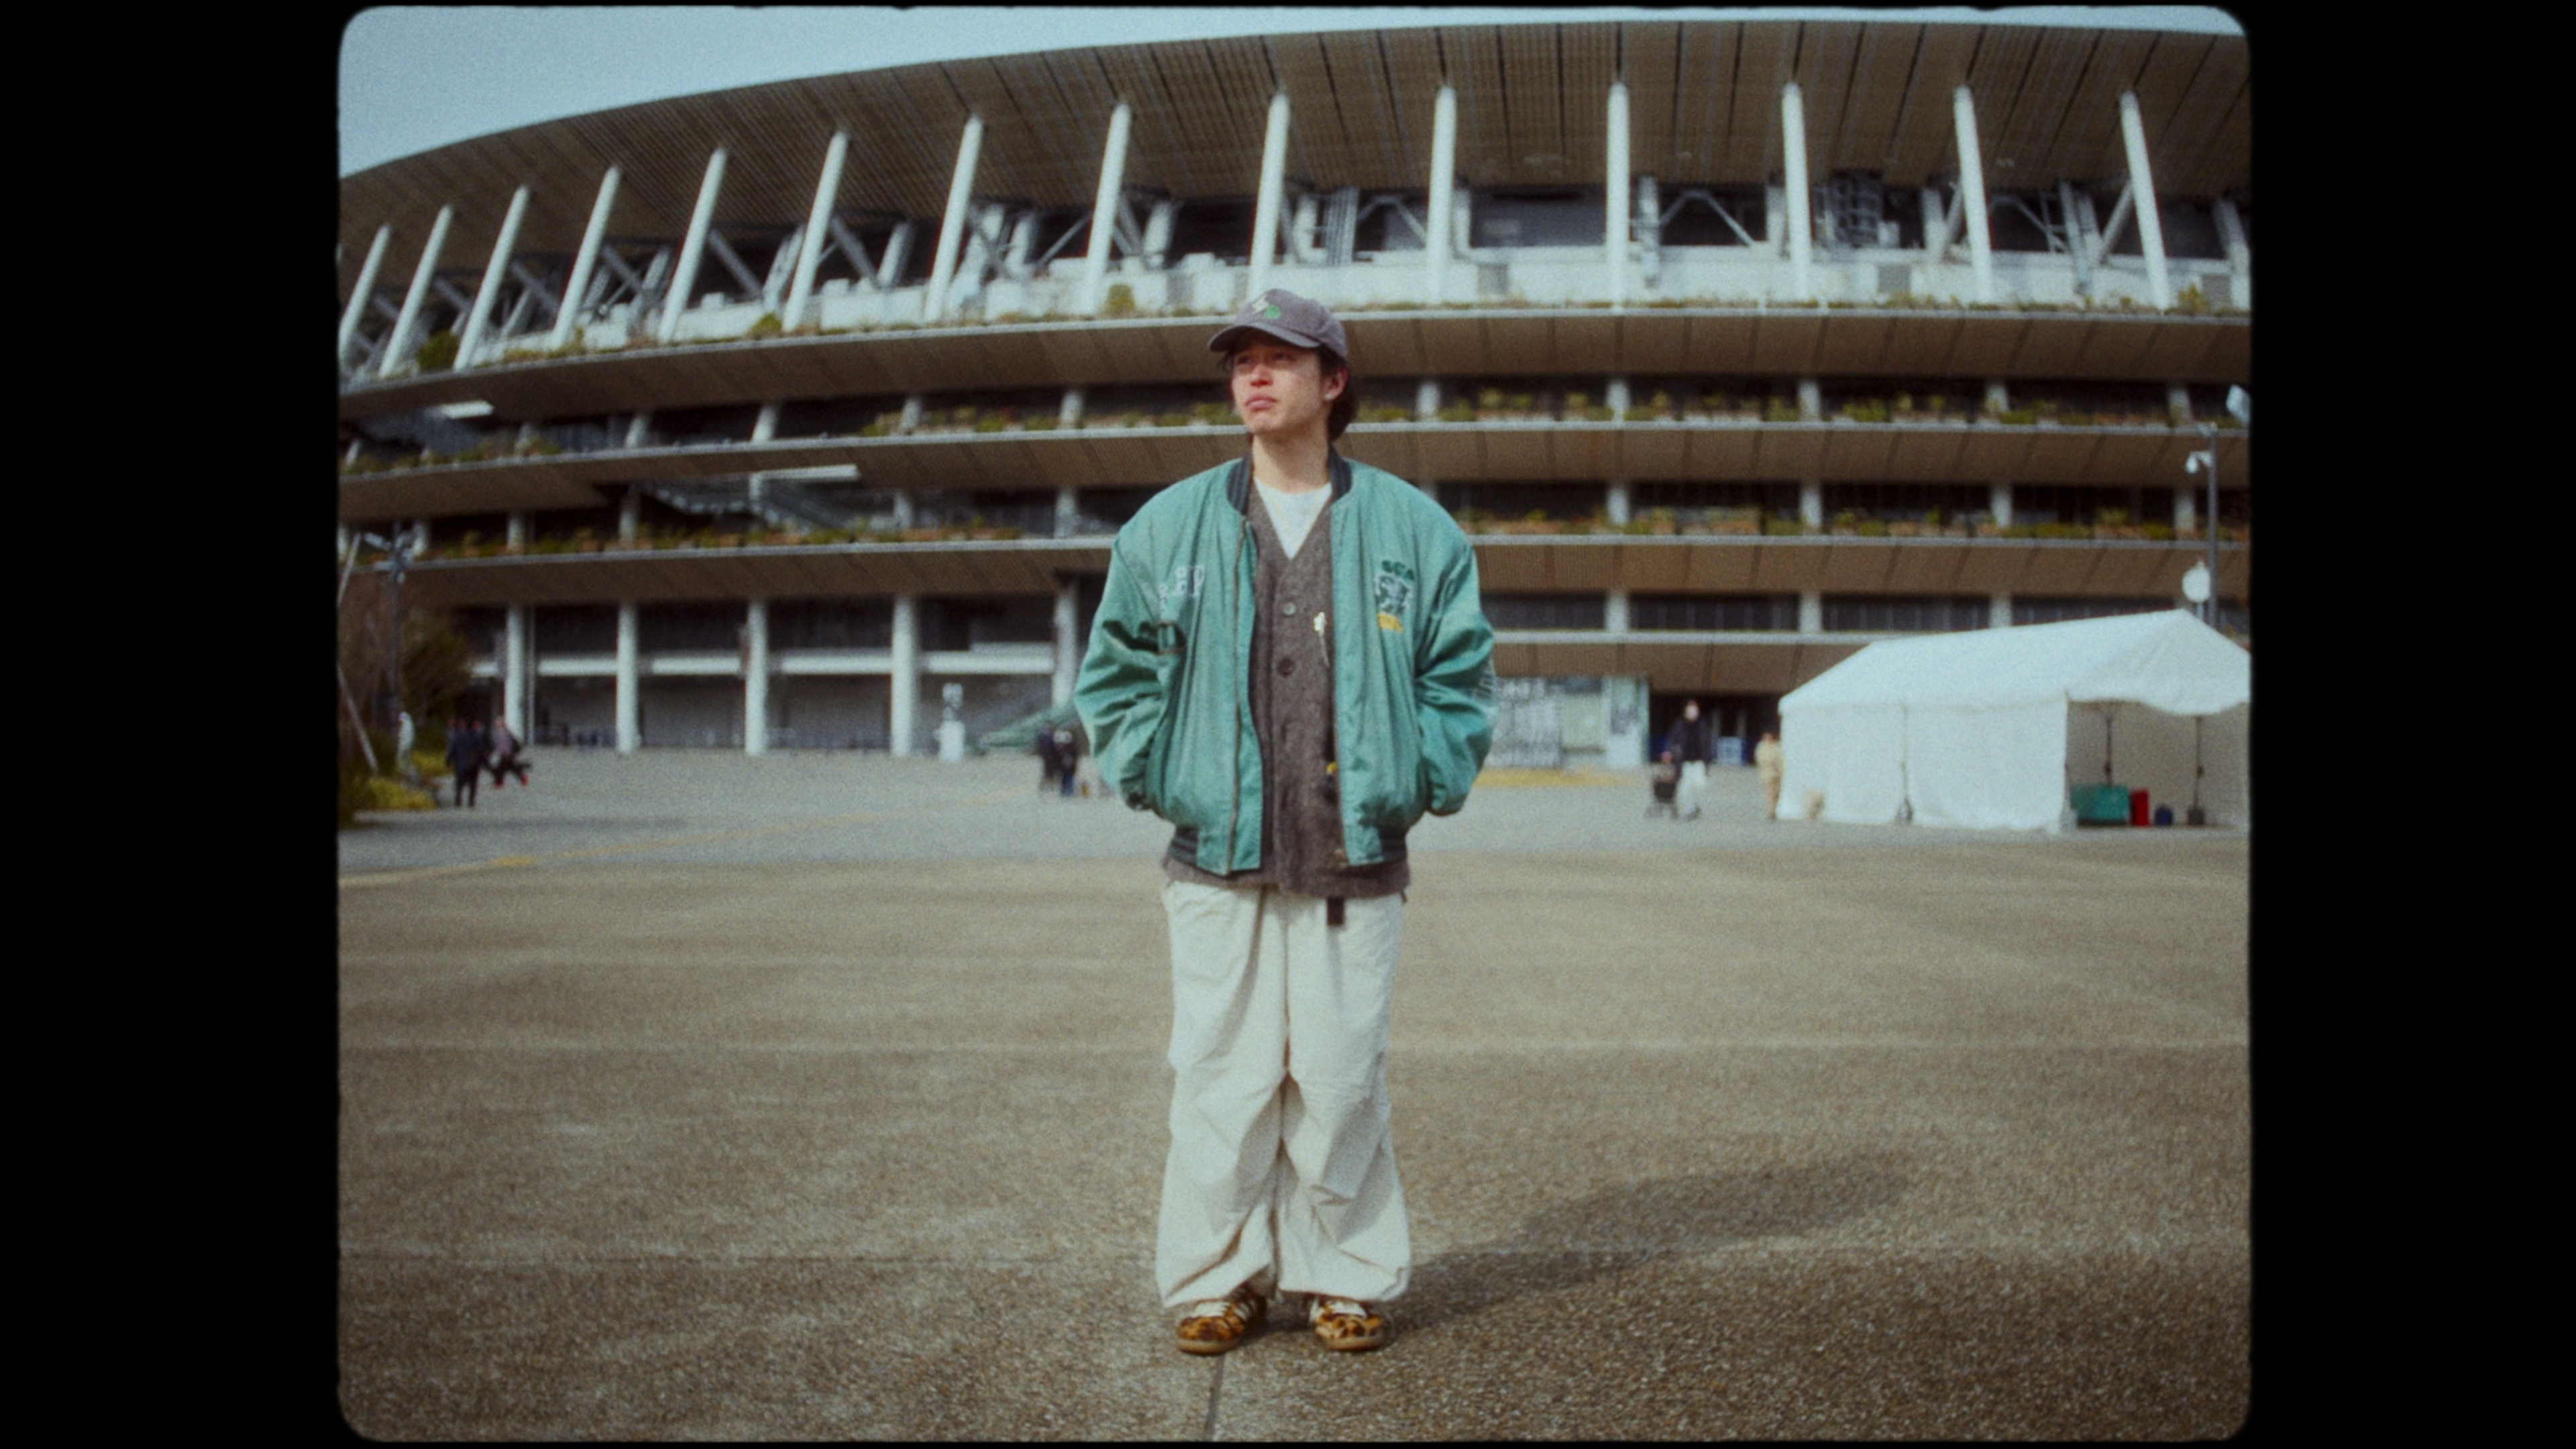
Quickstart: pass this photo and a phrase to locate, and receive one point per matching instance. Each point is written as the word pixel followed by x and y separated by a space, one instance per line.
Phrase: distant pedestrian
pixel 1068 754
pixel 505 755
pixel 1690 749
pixel 466 751
pixel 1766 763
pixel 1050 763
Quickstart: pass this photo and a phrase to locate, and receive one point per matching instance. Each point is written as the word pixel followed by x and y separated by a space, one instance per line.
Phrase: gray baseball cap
pixel 1297 320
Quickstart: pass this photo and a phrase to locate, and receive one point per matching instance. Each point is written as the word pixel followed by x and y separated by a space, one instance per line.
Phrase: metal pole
pixel 2209 432
pixel 1443 199
pixel 1265 211
pixel 1104 211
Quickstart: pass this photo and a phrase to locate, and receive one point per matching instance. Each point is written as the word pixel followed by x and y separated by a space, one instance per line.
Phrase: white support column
pixel 953 223
pixel 1999 503
pixel 1617 201
pixel 1801 198
pixel 755 678
pixel 2186 507
pixel 1998 397
pixel 1614 612
pixel 1068 510
pixel 685 281
pixel 1615 501
pixel 1426 399
pixel 1444 182
pixel 1936 225
pixel 898 252
pixel 1104 212
pixel 1614 396
pixel 639 428
pixel 494 270
pixel 904 695
pixel 583 261
pixel 1999 610
pixel 764 427
pixel 1811 400
pixel 518 530
pixel 1972 181
pixel 818 231
pixel 1068 642
pixel 1811 611
pixel 514 672
pixel 400 341
pixel 1274 180
pixel 2240 256
pixel 2142 188
pixel 365 292
pixel 1068 414
pixel 1811 502
pixel 630 678
pixel 630 515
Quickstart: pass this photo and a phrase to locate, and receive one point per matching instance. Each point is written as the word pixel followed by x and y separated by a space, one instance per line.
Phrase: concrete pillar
pixel 630 678
pixel 2186 507
pixel 514 671
pixel 1998 397
pixel 2142 192
pixel 1811 502
pixel 2178 402
pixel 903 508
pixel 693 248
pixel 1068 641
pixel 1104 212
pixel 1811 400
pixel 365 293
pixel 639 428
pixel 584 260
pixel 1444 183
pixel 1617 202
pixel 818 231
pixel 755 678
pixel 1614 396
pixel 1649 214
pixel 630 515
pixel 398 345
pixel 2240 255
pixel 1274 180
pixel 1999 610
pixel 1999 503
pixel 1068 414
pixel 518 530
pixel 1614 611
pixel 1615 505
pixel 1811 611
pixel 1936 224
pixel 898 252
pixel 1801 198
pixel 904 697
pixel 1972 180
pixel 1068 510
pixel 764 427
pixel 1426 399
pixel 953 222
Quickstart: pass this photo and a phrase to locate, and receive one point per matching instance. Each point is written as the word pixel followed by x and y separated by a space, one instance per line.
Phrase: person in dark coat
pixel 505 755
pixel 1690 746
pixel 1050 762
pixel 467 748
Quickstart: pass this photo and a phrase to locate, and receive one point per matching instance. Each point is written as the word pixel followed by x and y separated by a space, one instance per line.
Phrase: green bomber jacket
pixel 1164 690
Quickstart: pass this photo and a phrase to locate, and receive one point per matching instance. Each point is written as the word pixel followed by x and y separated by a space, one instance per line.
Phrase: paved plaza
pixel 687 1095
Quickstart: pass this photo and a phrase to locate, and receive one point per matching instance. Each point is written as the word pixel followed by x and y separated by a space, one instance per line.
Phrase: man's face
pixel 1280 390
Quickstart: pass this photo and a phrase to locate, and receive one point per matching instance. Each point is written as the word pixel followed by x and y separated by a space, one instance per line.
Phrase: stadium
pixel 801 416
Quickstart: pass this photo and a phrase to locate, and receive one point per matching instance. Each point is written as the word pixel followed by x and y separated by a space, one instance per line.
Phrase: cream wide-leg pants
pixel 1281 1172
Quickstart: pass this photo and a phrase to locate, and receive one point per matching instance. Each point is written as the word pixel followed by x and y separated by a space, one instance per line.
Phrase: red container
pixel 2139 814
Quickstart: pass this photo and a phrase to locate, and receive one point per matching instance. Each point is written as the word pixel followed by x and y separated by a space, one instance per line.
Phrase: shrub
pixel 437 353
pixel 1121 301
pixel 767 326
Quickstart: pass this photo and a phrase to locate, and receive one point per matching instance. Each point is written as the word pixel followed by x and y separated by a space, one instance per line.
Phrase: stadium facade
pixel 802 414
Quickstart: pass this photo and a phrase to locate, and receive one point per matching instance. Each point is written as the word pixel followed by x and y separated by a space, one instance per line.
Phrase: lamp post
pixel 2242 407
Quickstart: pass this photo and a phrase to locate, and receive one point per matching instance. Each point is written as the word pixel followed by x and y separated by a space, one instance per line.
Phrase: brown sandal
pixel 1345 1324
pixel 1218 1324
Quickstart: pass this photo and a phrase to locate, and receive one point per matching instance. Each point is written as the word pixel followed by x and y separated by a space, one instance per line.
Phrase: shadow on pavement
pixel 1575 1243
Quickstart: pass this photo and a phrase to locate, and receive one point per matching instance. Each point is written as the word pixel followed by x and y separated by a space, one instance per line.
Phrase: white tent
pixel 1994 727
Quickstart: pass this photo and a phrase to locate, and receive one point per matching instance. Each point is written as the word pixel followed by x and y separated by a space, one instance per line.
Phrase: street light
pixel 2241 407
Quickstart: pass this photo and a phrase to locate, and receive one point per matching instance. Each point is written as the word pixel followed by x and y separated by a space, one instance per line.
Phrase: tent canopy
pixel 1985 728
pixel 2168 660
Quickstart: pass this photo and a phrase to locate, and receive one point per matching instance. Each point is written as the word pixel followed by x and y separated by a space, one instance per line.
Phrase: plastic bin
pixel 2139 813
pixel 2100 804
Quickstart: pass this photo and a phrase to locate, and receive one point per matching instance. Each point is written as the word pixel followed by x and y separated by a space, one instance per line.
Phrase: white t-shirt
pixel 1293 514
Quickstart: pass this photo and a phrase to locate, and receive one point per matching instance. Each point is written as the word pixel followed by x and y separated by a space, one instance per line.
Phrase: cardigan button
pixel 1287 666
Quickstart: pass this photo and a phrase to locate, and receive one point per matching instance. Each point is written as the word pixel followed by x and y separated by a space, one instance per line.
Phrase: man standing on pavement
pixel 1690 746
pixel 1291 664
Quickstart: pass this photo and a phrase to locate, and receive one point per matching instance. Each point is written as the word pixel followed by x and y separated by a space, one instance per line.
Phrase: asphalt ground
pixel 685 1095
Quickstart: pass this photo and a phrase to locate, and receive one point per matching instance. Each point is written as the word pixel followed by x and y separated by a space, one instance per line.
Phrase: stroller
pixel 1666 779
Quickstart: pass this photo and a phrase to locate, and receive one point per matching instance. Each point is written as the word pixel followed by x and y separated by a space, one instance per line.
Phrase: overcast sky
pixel 417 77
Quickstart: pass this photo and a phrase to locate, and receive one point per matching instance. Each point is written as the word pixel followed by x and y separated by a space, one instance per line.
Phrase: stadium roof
pixel 1703 97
